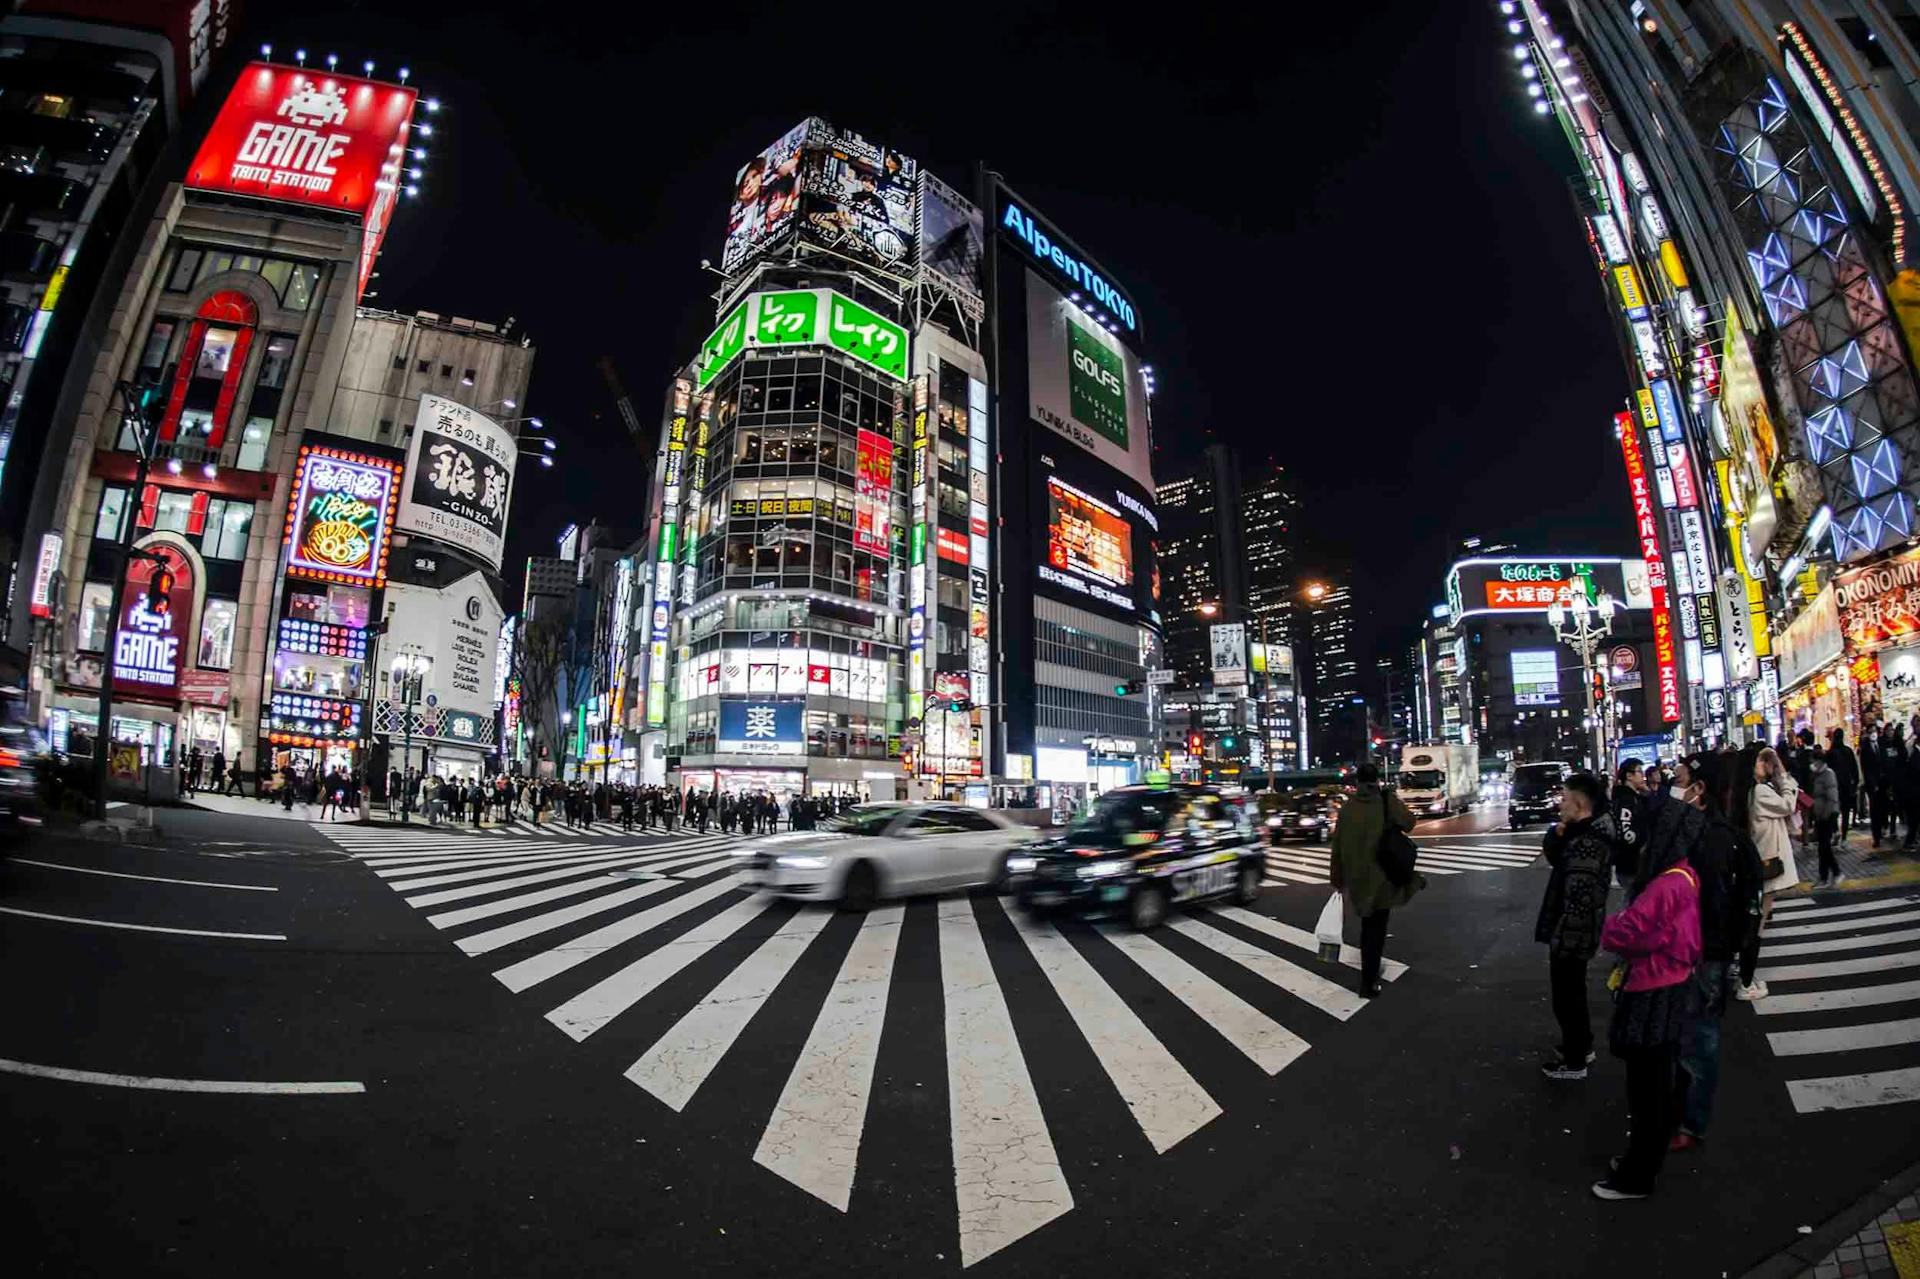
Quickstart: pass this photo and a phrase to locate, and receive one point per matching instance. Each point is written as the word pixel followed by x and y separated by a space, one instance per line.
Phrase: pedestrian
pixel 234 786
pixel 1629 812
pixel 1870 761
pixel 1727 871
pixel 1774 802
pixel 218 773
pixel 1658 938
pixel 1580 849
pixel 1827 806
pixel 1846 773
pixel 329 797
pixel 1354 867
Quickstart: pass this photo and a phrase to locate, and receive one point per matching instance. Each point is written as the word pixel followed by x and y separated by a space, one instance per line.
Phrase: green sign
pixel 869 338
pixel 782 319
pixel 1096 383
pixel 722 345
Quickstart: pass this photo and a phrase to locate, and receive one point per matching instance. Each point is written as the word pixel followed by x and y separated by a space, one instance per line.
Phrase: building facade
pixel 1334 696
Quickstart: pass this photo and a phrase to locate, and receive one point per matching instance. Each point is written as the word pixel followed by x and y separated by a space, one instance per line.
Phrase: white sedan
pixel 886 850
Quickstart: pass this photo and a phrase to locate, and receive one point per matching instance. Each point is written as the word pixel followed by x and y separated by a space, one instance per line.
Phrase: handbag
pixel 1772 868
pixel 1395 852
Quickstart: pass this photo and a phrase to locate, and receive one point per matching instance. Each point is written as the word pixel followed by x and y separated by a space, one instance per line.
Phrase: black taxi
pixel 1139 850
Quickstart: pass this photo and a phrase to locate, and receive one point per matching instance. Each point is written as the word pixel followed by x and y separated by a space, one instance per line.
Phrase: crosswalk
pixel 1843 1007
pixel 1439 855
pixel 651 948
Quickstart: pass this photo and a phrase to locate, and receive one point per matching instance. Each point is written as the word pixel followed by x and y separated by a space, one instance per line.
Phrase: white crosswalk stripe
pixel 1823 954
pixel 624 941
pixel 1307 863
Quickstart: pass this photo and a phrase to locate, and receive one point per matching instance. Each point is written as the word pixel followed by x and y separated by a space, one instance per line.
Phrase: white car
pixel 887 850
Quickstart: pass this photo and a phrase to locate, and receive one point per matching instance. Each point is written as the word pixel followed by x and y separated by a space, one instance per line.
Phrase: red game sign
pixel 1666 661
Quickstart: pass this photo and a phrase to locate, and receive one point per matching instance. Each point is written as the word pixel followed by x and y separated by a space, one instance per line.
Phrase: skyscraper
pixel 1203 558
pixel 1270 508
pixel 1335 702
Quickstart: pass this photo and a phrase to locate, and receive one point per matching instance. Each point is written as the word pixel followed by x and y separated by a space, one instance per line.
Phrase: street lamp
pixel 1584 626
pixel 410 667
pixel 566 731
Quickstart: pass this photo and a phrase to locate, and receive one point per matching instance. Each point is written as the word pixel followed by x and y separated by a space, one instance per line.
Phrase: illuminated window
pixel 96 601
pixel 216 634
pixel 111 520
pixel 228 524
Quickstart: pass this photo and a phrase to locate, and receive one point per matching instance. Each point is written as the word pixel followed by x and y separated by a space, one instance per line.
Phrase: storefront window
pixel 172 511
pixel 228 524
pixel 216 634
pixel 336 605
pixel 96 601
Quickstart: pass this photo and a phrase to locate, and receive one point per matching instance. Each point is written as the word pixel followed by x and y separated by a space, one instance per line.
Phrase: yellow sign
pixel 1670 261
pixel 1649 416
pixel 1627 280
pixel 125 762
pixel 55 283
pixel 1905 292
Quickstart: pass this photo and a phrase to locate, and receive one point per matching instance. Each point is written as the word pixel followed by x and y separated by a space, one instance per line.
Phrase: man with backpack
pixel 1581 848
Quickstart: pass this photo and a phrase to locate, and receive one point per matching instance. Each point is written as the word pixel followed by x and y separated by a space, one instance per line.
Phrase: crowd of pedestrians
pixel 1700 852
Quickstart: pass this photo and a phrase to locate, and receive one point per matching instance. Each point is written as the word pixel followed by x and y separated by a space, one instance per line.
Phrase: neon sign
pixel 339 519
pixel 1055 254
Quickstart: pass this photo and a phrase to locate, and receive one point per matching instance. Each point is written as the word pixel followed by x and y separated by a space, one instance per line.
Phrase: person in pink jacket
pixel 1658 937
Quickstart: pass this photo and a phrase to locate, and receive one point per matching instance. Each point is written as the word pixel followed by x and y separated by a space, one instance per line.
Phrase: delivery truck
pixel 1439 780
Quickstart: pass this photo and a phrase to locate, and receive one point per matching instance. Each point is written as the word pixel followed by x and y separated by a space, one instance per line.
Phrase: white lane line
pixel 508 905
pixel 1462 853
pixel 1454 861
pixel 1896 992
pixel 1266 1043
pixel 812 1139
pixel 1850 1092
pixel 1791 903
pixel 1276 877
pixel 1301 939
pixel 680 1061
pixel 400 867
pixel 507 934
pixel 143 928
pixel 1007 1181
pixel 606 999
pixel 160 1084
pixel 1489 847
pixel 681 867
pixel 435 876
pixel 1839 1039
pixel 468 891
pixel 151 879
pixel 1311 988
pixel 1826 945
pixel 548 963
pixel 1771 973
pixel 1844 925
pixel 1166 1101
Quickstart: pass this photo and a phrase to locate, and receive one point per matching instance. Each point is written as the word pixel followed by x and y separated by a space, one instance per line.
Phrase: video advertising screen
pixel 1087 537
pixel 1536 676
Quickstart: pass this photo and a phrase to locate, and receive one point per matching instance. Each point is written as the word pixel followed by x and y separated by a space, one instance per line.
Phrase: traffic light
pixel 1226 743
pixel 1129 688
pixel 160 591
pixel 1599 689
pixel 1196 743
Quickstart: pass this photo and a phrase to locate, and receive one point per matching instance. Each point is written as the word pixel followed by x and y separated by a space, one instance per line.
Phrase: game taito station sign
pixel 804 317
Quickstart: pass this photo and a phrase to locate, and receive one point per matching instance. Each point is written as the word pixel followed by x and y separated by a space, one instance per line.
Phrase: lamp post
pixel 134 403
pixel 410 667
pixel 1584 626
pixel 566 731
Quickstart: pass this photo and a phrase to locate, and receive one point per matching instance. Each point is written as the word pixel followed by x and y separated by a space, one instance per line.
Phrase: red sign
pixel 873 492
pixel 952 545
pixel 1879 602
pixel 148 644
pixel 205 688
pixel 1534 594
pixel 330 141
pixel 1665 659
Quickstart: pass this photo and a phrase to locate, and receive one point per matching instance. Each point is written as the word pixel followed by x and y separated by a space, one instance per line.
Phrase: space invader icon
pixel 314 105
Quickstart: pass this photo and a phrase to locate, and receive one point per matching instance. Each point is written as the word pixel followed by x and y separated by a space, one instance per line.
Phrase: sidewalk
pixel 1862 867
pixel 1884 1242
pixel 235 806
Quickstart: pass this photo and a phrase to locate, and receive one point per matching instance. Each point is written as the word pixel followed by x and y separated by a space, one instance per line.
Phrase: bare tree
pixel 551 668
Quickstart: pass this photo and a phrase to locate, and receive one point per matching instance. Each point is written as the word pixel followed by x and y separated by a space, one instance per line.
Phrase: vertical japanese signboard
pixel 1646 525
pixel 873 492
pixel 340 516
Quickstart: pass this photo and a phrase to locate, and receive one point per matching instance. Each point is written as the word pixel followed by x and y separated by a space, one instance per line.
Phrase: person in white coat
pixel 1771 812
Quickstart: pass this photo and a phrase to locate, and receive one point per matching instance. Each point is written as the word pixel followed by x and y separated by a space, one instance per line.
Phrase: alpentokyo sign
pixel 1029 232
pixel 804 317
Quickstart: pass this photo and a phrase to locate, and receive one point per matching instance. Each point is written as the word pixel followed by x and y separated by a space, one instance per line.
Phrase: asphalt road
pixel 568 1066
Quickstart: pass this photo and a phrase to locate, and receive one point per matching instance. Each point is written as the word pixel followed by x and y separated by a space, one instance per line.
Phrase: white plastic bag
pixel 1328 931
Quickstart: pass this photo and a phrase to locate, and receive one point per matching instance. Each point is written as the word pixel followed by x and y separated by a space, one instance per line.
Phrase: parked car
pixel 886 850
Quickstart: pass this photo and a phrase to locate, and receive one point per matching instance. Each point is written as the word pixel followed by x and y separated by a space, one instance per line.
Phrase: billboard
pixel 1532 584
pixel 952 236
pixel 147 644
pixel 340 516
pixel 1084 384
pixel 831 187
pixel 461 465
pixel 873 492
pixel 750 727
pixel 303 137
pixel 1536 676
pixel 457 627
pixel 1087 537
pixel 766 194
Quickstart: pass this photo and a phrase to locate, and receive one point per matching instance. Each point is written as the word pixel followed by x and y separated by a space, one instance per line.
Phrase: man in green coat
pixel 1355 867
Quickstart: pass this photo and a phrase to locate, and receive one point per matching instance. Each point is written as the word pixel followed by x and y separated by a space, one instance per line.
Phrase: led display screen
pixel 1536 676
pixel 1087 537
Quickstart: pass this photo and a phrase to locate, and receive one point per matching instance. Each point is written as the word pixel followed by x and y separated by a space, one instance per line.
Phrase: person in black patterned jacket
pixel 1581 850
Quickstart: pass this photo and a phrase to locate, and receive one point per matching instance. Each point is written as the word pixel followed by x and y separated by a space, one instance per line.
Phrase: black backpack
pixel 1396 850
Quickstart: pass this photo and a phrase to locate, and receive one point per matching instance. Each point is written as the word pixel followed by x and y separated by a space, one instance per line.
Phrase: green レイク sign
pixel 813 317
pixel 722 345
pixel 782 319
pixel 1096 383
pixel 868 338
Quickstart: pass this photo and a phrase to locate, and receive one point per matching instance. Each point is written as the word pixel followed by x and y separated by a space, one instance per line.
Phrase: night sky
pixel 1349 237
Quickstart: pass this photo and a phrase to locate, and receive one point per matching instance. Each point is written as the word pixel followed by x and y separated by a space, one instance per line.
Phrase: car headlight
pixel 800 861
pixel 1310 820
pixel 1437 806
pixel 1101 870
pixel 1020 865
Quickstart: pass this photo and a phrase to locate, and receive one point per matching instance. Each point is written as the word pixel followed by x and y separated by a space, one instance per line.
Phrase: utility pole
pixel 134 405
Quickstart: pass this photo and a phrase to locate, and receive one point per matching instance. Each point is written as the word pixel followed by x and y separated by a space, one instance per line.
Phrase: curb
pixel 1809 1250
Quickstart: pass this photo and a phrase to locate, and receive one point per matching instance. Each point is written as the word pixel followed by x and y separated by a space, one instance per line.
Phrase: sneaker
pixel 1839 878
pixel 1747 994
pixel 1684 1140
pixel 1607 1190
pixel 1562 1070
